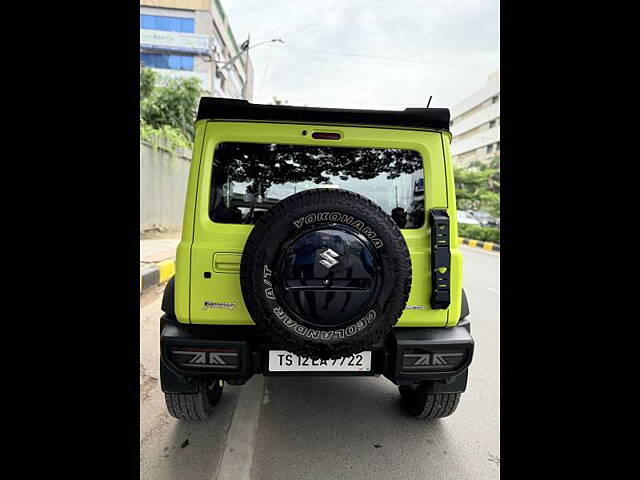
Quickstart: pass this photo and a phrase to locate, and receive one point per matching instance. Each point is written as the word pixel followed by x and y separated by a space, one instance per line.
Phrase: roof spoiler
pixel 212 108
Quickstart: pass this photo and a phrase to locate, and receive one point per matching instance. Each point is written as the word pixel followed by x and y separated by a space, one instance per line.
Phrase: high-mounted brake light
pixel 325 136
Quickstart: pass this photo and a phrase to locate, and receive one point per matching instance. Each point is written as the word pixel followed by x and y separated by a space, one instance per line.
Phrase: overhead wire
pixel 292 32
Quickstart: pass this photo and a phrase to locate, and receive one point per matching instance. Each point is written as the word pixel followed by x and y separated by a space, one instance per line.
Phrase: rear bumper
pixel 236 353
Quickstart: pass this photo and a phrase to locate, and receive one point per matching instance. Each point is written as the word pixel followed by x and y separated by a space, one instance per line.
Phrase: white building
pixel 475 125
pixel 193 38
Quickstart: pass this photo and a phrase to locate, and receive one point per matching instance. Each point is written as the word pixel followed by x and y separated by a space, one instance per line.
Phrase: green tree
pixel 478 186
pixel 148 80
pixel 172 102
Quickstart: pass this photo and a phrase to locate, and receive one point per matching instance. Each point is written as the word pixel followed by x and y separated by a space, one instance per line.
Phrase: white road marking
pixel 236 460
pixel 494 290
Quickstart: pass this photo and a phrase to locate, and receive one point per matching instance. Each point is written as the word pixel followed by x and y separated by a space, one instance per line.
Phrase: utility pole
pixel 244 48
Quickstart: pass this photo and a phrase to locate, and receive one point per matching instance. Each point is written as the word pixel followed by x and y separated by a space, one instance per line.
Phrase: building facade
pixel 193 38
pixel 475 125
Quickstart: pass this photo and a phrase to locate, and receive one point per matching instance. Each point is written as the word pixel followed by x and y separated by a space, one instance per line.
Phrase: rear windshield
pixel 249 178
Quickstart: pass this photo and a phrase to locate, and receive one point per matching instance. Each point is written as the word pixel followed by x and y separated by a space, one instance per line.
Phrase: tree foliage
pixel 476 232
pixel 148 80
pixel 478 186
pixel 172 137
pixel 169 102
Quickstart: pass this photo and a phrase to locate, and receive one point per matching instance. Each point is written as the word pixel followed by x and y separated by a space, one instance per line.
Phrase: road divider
pixel 489 246
pixel 156 273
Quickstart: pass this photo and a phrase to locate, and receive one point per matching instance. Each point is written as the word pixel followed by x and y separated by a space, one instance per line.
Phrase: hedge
pixel 475 232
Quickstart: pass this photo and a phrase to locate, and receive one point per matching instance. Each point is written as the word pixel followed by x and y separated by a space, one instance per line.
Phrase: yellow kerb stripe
pixel 473 243
pixel 167 269
pixel 488 246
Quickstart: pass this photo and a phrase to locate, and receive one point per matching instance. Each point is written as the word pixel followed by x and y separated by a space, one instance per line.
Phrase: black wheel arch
pixel 168 298
pixel 464 310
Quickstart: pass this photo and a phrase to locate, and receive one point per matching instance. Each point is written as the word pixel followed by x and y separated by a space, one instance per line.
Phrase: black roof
pixel 229 109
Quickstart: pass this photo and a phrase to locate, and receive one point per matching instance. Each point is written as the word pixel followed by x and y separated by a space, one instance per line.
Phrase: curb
pixel 157 273
pixel 489 246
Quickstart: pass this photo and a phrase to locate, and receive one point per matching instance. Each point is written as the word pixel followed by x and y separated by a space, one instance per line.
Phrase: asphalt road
pixel 331 428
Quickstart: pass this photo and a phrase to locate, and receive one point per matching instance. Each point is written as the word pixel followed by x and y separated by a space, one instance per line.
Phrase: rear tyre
pixel 420 403
pixel 195 406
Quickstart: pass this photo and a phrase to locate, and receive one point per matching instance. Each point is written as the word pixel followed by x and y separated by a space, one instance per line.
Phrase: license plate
pixel 283 361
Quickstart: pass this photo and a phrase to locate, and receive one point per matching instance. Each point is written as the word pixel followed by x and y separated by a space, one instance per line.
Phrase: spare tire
pixel 325 273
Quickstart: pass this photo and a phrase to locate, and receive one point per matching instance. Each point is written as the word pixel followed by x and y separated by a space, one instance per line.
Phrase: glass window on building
pixel 169 24
pixel 171 62
pixel 492 123
pixel 490 148
pixel 498 147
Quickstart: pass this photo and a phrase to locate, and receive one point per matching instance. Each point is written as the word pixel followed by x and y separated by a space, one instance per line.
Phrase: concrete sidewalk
pixel 157 261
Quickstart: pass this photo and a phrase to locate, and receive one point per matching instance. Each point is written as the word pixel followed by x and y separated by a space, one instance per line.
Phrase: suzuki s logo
pixel 329 258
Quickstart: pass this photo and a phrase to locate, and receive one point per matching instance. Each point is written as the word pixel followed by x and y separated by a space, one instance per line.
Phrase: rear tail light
pixel 206 358
pixel 421 360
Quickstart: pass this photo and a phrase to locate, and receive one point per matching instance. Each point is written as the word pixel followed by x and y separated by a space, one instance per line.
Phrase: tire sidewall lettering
pixel 344 218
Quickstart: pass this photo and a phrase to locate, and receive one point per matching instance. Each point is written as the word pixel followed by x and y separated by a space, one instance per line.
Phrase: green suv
pixel 317 242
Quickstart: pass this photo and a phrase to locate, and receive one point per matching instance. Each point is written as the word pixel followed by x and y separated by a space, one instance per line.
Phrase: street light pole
pixel 243 49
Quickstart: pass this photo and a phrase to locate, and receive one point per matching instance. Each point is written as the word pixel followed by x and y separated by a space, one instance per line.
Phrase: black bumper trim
pixel 407 355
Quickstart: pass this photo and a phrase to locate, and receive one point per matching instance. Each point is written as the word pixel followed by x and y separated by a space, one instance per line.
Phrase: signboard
pixel 175 41
pixel 205 79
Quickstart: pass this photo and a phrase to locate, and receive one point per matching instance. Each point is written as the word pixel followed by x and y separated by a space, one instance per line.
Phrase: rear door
pixel 247 167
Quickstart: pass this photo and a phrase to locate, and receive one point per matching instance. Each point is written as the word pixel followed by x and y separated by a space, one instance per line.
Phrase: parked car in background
pixel 467 218
pixel 485 219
